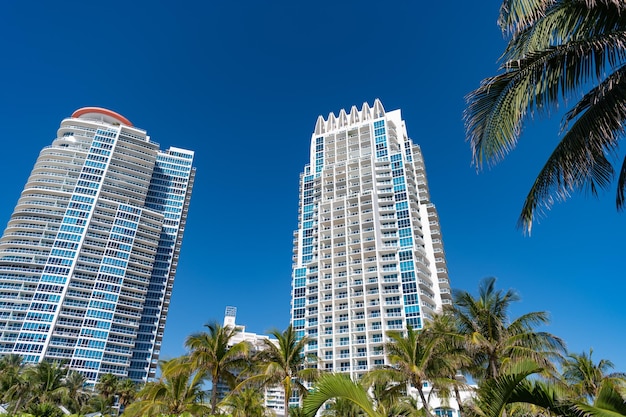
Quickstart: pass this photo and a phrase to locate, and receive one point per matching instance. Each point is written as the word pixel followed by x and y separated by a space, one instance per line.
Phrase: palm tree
pixel 10 368
pixel 283 362
pixel 296 411
pixel 497 396
pixel 18 394
pixel 247 402
pixel 179 390
pixel 451 352
pixel 493 341
pixel 126 392
pixel 586 377
pixel 388 395
pixel 77 396
pixel 43 410
pixel 416 357
pixel 515 391
pixel 557 50
pixel 98 404
pixel 46 381
pixel 211 353
pixel 608 402
pixel 107 387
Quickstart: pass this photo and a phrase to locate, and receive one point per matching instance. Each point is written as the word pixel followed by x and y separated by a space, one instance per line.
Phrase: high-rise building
pixel 88 258
pixel 368 255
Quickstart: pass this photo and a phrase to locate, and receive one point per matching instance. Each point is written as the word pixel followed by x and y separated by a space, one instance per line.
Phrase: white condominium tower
pixel 88 258
pixel 368 255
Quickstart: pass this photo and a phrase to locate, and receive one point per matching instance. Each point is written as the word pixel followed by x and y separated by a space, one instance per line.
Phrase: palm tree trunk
pixel 287 390
pixel 493 366
pixel 214 381
pixel 425 405
pixel 17 405
pixel 457 395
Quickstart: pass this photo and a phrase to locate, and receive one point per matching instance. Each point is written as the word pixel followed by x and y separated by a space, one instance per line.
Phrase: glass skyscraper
pixel 89 255
pixel 368 254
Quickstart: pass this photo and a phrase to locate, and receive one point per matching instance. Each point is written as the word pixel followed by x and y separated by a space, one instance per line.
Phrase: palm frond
pixel 608 403
pixel 620 197
pixel 337 386
pixel 580 159
pixel 563 22
pixel 497 109
pixel 515 15
pixel 496 393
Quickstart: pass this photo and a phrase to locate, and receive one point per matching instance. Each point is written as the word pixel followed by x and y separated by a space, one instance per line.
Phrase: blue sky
pixel 242 84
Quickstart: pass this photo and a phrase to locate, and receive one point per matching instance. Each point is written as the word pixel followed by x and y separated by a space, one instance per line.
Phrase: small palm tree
pixel 497 396
pixel 247 402
pixel 586 377
pixel 342 407
pixel 516 392
pixel 99 404
pixel 178 391
pixel 11 366
pixel 296 412
pixel 18 394
pixel 46 381
pixel 77 396
pixel 493 341
pixel 44 410
pixel 609 401
pixel 416 358
pixel 283 362
pixel 211 353
pixel 126 392
pixel 107 387
pixel 387 393
pixel 453 354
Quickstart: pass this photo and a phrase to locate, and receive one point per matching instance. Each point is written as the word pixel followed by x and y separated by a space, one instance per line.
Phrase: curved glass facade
pixel 88 258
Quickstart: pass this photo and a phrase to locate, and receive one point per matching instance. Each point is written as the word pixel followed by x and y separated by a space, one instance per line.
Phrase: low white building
pixel 274 396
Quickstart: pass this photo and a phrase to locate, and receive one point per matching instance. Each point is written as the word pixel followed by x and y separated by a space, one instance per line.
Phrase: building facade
pixel 89 255
pixel 368 254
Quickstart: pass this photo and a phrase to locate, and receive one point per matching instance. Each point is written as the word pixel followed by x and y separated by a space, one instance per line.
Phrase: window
pixel 444 412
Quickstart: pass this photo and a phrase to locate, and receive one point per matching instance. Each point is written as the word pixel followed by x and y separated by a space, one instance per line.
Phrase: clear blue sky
pixel 242 84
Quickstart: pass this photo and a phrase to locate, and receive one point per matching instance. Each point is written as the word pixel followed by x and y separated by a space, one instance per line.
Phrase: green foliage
pixel 513 364
pixel 342 407
pixel 42 389
pixel 493 341
pixel 331 386
pixel 586 377
pixel 211 354
pixel 106 386
pixel 247 402
pixel 179 390
pixel 416 356
pixel 44 410
pixel 558 50
pixel 609 402
pixel 284 364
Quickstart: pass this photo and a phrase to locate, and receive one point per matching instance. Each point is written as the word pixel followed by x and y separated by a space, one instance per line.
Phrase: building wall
pixel 368 256
pixel 89 254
